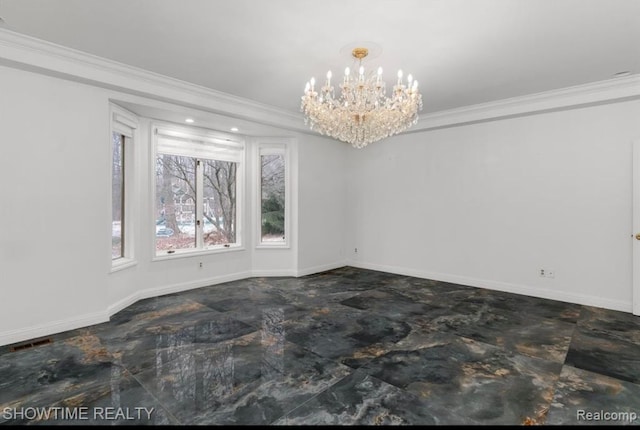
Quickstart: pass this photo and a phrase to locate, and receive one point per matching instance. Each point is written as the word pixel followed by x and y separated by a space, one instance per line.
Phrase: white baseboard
pixel 266 273
pixel 51 328
pixel 562 296
pixel 321 268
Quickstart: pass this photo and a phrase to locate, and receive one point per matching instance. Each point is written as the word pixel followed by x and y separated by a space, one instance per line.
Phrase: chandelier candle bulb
pixel 363 113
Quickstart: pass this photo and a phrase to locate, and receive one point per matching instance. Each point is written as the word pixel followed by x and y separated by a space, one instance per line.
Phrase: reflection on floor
pixel 347 346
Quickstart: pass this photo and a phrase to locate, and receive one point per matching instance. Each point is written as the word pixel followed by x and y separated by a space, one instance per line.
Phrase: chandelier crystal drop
pixel 363 113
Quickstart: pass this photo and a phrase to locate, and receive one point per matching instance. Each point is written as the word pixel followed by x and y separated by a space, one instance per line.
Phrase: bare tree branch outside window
pixel 176 191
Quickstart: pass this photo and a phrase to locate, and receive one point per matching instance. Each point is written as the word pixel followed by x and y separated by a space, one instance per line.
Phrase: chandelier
pixel 363 113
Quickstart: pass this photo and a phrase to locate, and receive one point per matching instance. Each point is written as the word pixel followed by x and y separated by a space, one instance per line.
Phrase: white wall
pixel 52 244
pixel 322 214
pixel 490 204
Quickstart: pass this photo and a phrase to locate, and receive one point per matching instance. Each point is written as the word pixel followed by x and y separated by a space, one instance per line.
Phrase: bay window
pixel 198 191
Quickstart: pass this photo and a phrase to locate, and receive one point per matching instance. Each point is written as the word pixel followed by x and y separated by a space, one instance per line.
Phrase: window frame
pixel 204 136
pixel 273 147
pixel 124 123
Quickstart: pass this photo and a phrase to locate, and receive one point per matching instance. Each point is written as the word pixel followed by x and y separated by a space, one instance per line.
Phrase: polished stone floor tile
pixel 162 315
pixel 467 378
pixel 476 300
pixel 155 308
pixel 584 397
pixel 351 336
pixel 604 353
pixel 605 322
pixel 309 292
pixel 429 291
pixel 544 338
pixel 389 304
pixel 144 351
pixel 248 301
pixel 373 278
pixel 120 400
pixel 363 400
pixel 331 283
pixel 536 307
pixel 343 347
pixel 43 375
pixel 254 379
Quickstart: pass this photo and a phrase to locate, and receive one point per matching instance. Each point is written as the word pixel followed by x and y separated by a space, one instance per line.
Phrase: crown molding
pixel 32 54
pixel 35 55
pixel 607 91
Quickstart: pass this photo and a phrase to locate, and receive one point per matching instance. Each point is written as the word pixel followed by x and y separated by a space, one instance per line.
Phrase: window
pixel 123 126
pixel 117 196
pixel 198 187
pixel 273 195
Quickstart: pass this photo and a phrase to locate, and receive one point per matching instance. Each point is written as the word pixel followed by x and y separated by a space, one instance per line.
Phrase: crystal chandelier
pixel 363 114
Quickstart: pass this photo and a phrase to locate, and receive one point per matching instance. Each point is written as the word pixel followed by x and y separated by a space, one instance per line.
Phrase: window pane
pixel 175 202
pixel 219 200
pixel 273 198
pixel 117 197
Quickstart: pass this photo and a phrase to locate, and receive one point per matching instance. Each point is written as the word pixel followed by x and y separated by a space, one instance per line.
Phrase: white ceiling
pixel 463 52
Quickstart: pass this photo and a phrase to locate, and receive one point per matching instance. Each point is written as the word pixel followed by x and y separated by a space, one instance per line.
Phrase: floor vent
pixel 31 344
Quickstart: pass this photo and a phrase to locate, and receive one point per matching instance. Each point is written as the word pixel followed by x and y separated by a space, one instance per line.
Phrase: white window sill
pixel 182 253
pixel 267 245
pixel 121 264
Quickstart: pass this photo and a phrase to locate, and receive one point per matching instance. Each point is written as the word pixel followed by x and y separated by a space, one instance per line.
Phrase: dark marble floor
pixel 343 347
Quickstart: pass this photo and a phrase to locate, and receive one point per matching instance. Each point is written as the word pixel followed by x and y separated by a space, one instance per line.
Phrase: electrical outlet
pixel 355 250
pixel 547 273
pixel 200 264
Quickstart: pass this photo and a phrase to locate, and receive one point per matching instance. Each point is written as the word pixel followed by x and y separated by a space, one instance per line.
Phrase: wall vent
pixel 30 344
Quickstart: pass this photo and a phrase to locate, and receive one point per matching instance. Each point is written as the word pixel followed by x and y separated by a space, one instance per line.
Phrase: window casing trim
pixel 273 147
pixel 199 144
pixel 124 123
